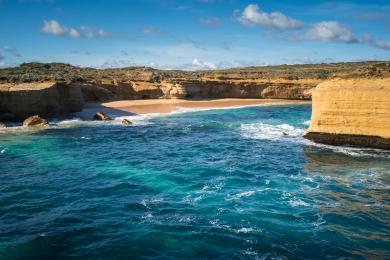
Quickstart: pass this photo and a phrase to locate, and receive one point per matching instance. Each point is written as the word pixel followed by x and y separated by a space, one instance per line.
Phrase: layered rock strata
pixel 19 101
pixel 352 112
pixel 56 89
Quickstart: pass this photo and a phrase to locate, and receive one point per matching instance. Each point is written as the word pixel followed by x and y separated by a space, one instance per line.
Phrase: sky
pixel 192 35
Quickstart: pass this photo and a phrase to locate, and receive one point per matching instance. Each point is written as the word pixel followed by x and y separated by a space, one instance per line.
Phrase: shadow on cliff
pixel 91 109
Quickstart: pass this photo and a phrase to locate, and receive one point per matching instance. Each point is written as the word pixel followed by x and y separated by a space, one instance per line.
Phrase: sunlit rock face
pixel 57 89
pixel 351 111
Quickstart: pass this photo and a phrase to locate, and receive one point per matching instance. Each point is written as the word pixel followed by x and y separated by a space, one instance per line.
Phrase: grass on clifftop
pixel 39 72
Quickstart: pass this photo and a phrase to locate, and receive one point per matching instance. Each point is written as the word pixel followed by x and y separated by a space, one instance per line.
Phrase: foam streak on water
pixel 226 183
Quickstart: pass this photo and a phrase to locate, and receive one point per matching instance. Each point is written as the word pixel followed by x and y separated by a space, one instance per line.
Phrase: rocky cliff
pixel 55 88
pixel 352 111
pixel 19 101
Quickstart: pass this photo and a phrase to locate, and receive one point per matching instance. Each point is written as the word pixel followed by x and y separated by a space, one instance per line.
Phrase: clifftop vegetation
pixel 39 72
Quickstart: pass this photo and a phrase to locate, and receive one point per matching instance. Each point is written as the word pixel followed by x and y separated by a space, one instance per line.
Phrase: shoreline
pixel 145 107
pixel 166 106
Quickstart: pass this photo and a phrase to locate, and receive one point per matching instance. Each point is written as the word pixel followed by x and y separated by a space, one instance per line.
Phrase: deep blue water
pixel 209 184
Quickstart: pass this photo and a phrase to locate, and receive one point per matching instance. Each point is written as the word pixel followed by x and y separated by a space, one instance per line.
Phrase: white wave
pixel 320 221
pixel 245 230
pixel 83 118
pixel 245 194
pixel 77 121
pixel 351 151
pixel 270 132
pixel 298 202
pixel 306 122
pixel 3 150
pixel 182 110
pixel 20 129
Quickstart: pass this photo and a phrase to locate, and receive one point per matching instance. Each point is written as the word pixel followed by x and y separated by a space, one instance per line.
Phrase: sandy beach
pixel 169 105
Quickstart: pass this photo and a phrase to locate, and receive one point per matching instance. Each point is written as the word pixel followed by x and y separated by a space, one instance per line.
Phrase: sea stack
pixel 351 112
pixel 101 117
pixel 126 122
pixel 35 121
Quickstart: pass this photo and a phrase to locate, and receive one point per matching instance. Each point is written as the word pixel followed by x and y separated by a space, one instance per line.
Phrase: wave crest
pixel 270 132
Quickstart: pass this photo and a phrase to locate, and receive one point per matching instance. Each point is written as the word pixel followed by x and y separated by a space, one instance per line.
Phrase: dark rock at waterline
pixel 48 99
pixel 101 117
pixel 285 134
pixel 35 121
pixel 126 122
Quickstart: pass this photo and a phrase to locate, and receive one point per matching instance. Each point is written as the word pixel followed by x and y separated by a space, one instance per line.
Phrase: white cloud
pixel 119 63
pixel 53 27
pixel 325 31
pixel 210 21
pixel 381 44
pixel 90 32
pixel 12 52
pixel 308 60
pixel 204 65
pixel 330 31
pixel 73 33
pixel 376 43
pixel 152 30
pixel 252 15
pixel 124 53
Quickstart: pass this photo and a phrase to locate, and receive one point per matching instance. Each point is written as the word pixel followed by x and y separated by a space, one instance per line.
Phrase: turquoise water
pixel 208 184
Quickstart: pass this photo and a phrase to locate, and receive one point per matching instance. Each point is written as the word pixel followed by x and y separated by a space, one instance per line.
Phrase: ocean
pixel 237 183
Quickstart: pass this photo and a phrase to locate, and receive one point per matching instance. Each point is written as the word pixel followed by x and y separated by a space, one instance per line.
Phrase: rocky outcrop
pixel 2 125
pixel 35 121
pixel 49 99
pixel 57 89
pixel 126 122
pixel 206 88
pixel 351 111
pixel 101 117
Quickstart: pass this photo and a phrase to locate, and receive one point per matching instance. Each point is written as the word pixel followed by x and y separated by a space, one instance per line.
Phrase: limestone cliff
pixel 351 111
pixel 18 101
pixel 57 88
pixel 209 88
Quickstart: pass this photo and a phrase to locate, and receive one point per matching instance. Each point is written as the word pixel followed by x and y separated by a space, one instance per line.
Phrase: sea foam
pixel 270 132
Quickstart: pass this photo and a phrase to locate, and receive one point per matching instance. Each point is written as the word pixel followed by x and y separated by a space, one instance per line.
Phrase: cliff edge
pixel 21 100
pixel 55 89
pixel 351 112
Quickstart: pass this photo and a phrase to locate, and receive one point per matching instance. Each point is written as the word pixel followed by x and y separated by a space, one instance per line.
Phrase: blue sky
pixel 198 34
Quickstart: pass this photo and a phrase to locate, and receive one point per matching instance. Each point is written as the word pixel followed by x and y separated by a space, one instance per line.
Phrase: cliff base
pixel 348 139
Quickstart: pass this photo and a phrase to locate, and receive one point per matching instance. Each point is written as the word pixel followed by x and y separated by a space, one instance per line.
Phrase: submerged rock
pixel 126 122
pixel 35 121
pixel 101 117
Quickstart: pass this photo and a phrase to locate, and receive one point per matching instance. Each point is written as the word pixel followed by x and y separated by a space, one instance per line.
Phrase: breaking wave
pixel 270 132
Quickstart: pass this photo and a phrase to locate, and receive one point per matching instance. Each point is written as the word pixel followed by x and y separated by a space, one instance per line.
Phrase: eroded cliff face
pixel 57 88
pixel 19 101
pixel 351 111
pixel 209 88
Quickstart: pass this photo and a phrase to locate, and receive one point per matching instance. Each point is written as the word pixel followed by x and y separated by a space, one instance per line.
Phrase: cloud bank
pixel 252 15
pixel 53 27
pixel 285 27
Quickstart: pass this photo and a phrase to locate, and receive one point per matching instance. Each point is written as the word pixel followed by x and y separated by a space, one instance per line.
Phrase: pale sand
pixel 164 106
